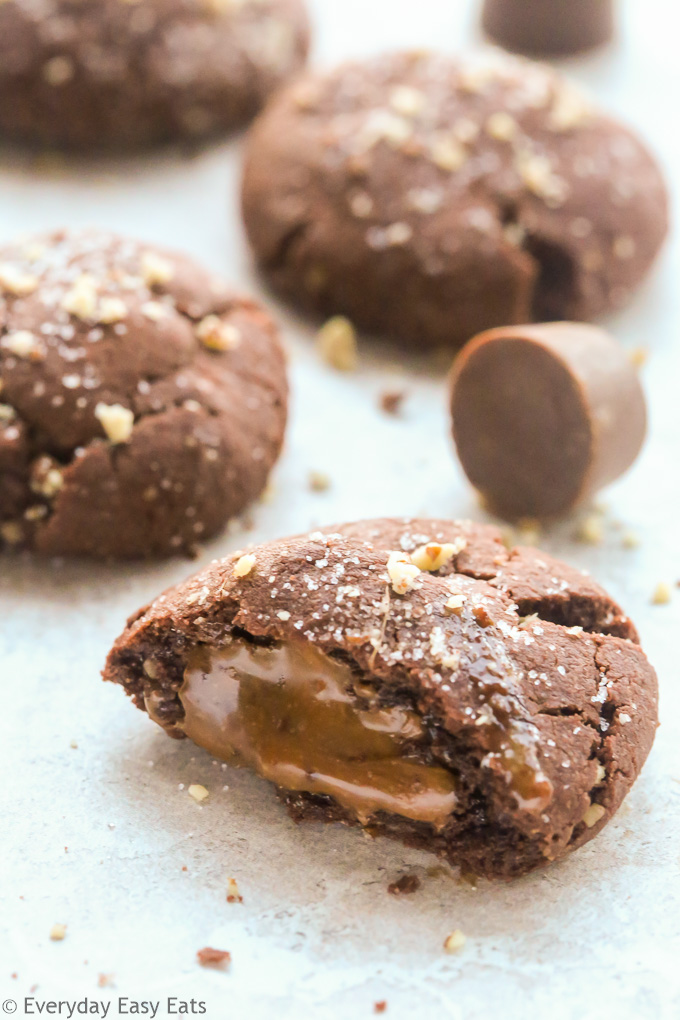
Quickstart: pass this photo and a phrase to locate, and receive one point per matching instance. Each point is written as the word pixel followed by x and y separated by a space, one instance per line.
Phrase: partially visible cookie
pixel 109 74
pixel 411 676
pixel 428 198
pixel 142 403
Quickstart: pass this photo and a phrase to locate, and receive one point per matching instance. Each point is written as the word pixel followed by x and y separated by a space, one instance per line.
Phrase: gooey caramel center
pixel 291 713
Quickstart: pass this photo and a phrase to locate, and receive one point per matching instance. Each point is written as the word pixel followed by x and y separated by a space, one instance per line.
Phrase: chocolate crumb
pixel 404 886
pixel 391 401
pixel 218 958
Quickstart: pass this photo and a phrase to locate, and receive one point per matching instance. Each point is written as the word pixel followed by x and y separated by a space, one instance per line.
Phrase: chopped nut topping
pixel 244 565
pixel 233 895
pixel 116 420
pixel 218 335
pixel 455 603
pixel 593 815
pixel 454 942
pixel 638 356
pixel 601 774
pixel 434 556
pixel 24 344
pixel 154 310
pixel 402 572
pixel 12 532
pixel 209 957
pixel 570 109
pixel 623 247
pixel 81 299
pixel 337 343
pixel 407 101
pixel 7 413
pixel 283 615
pixel 58 932
pixel 46 478
pixel 198 792
pixel 155 269
pixel 13 281
pixel 662 594
pixel 58 70
pixel 446 152
pixel 538 176
pixel 501 126
pixel 111 309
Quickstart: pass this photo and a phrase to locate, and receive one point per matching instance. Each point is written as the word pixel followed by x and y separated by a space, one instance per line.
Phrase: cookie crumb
pixel 337 343
pixel 662 594
pixel 244 565
pixel 233 894
pixel 402 572
pixel 218 958
pixel 404 886
pixel 116 420
pixel 198 792
pixel 380 1007
pixel 593 815
pixel 58 932
pixel 318 481
pixel 105 981
pixel 454 942
pixel 391 401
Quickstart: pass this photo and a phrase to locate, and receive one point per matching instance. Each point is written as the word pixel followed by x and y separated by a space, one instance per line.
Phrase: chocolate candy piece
pixel 545 415
pixel 549 27
pixel 407 676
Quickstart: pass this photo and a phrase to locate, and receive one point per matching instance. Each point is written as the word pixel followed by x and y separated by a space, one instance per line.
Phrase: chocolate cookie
pixel 549 28
pixel 545 415
pixel 108 74
pixel 142 403
pixel 429 198
pixel 411 676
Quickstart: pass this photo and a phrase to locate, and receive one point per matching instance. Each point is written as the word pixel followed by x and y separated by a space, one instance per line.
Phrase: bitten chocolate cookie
pixel 109 74
pixel 549 28
pixel 544 416
pixel 142 403
pixel 411 676
pixel 428 198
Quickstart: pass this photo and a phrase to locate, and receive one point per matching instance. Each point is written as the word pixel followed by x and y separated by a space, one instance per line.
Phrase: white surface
pixel 317 934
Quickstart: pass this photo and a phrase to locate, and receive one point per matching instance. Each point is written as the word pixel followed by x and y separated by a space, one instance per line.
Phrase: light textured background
pixel 96 837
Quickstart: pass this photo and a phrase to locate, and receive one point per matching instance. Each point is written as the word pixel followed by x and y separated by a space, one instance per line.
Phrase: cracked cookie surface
pixel 429 198
pixel 142 403
pixel 526 680
pixel 107 74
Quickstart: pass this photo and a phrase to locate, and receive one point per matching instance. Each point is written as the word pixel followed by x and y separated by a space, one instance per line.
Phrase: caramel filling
pixel 293 714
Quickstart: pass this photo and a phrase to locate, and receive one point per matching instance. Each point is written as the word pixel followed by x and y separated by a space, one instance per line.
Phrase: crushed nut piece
pixel 454 942
pixel 24 344
pixel 407 101
pixel 58 70
pixel 318 481
pixel 501 126
pixel 337 343
pixel 198 792
pixel 154 311
pixel 156 269
pixel 593 815
pixel 217 335
pixel 58 932
pixel 12 532
pixel 233 895
pixel 13 281
pixel 111 309
pixel 116 420
pixel 209 957
pixel 402 572
pixel 455 603
pixel 81 299
pixel 446 152
pixel 433 556
pixel 662 594
pixel 7 413
pixel 244 565
pixel 590 530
